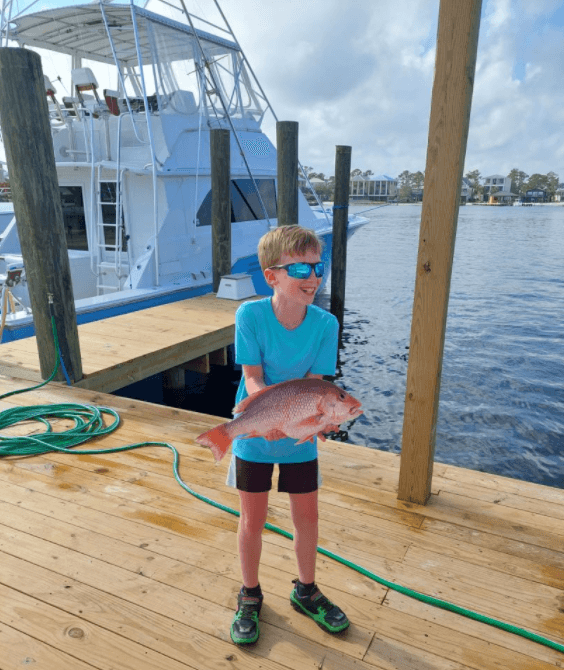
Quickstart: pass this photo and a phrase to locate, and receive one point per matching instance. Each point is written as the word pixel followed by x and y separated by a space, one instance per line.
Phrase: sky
pixel 360 73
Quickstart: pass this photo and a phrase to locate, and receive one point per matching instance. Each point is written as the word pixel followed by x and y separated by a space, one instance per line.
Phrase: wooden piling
pixel 287 167
pixel 26 131
pixel 221 204
pixel 457 42
pixel 340 224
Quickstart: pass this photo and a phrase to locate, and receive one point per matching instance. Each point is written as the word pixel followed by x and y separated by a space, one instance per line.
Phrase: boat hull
pixel 248 265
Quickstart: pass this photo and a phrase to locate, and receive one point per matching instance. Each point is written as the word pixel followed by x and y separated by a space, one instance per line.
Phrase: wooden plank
pixel 174 594
pixel 219 356
pixel 11 370
pixel 89 643
pixel 457 42
pixel 174 378
pixel 493 519
pixel 184 514
pixel 111 347
pixel 537 595
pixel 220 168
pixel 72 507
pixel 501 484
pixel 287 170
pixel 126 511
pixel 481 538
pixel 532 650
pixel 200 364
pixel 424 581
pixel 553 509
pixel 420 641
pixel 20 650
pixel 141 367
pixel 135 623
pixel 340 226
pixel 27 139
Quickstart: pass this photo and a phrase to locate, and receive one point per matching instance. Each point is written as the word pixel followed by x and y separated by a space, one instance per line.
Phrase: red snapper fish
pixel 298 408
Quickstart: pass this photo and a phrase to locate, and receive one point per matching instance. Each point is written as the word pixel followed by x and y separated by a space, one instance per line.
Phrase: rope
pixel 89 423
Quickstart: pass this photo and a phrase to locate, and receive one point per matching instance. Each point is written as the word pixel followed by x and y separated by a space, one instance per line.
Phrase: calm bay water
pixel 502 391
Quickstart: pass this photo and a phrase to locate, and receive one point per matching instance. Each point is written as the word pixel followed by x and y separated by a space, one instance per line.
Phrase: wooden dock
pixel 107 563
pixel 125 349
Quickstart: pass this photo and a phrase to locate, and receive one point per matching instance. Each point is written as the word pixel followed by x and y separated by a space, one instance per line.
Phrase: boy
pixel 277 339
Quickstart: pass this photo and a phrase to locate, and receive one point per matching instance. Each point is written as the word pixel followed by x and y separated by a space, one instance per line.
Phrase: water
pixel 502 391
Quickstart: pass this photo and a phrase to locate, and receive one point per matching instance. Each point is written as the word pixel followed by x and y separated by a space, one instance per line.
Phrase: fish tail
pixel 218 439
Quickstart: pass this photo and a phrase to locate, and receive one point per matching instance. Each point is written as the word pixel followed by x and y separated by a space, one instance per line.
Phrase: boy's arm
pixel 254 378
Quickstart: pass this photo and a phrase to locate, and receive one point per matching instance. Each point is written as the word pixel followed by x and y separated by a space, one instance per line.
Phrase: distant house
pixel 495 182
pixel 536 195
pixel 559 193
pixel 502 197
pixel 379 188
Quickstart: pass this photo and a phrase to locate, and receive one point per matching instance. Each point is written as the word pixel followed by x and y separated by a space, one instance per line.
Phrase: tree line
pixel 521 182
pixel 408 182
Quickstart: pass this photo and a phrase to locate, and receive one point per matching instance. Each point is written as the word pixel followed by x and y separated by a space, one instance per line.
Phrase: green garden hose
pixel 89 423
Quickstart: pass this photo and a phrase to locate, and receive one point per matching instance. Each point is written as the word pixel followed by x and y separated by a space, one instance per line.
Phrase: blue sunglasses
pixel 301 270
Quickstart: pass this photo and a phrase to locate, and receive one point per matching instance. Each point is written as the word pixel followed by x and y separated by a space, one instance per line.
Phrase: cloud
pixel 362 74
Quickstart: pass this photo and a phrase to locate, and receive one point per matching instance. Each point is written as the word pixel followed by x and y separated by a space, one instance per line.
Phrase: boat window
pixel 245 204
pixel 73 217
pixel 109 204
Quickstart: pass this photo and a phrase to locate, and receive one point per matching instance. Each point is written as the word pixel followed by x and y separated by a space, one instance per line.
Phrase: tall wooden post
pixel 287 150
pixel 340 225
pixel 221 204
pixel 457 43
pixel 26 131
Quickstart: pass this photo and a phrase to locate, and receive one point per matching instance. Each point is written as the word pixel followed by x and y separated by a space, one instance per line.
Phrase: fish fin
pixel 307 438
pixel 243 404
pixel 311 421
pixel 275 434
pixel 217 439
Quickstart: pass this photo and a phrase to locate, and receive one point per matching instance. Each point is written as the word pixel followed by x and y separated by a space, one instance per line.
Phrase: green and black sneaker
pixel 244 627
pixel 325 614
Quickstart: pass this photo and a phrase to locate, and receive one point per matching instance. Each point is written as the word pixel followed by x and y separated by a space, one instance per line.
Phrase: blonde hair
pixel 292 240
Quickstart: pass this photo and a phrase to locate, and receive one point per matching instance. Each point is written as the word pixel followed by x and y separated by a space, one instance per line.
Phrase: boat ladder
pixel 110 234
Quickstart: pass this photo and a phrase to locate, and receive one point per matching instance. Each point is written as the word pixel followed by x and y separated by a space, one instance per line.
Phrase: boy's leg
pixel 245 626
pixel 306 598
pixel 254 509
pixel 304 510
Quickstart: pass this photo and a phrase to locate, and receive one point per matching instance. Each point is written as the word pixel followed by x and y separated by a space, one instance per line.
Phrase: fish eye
pixel 342 396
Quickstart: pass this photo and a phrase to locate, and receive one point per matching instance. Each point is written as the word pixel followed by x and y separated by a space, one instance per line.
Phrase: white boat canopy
pixel 185 65
pixel 79 30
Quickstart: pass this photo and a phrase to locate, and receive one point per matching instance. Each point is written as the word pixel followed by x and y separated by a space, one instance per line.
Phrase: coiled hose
pixel 89 423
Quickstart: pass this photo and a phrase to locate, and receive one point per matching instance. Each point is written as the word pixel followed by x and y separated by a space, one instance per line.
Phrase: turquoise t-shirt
pixel 260 339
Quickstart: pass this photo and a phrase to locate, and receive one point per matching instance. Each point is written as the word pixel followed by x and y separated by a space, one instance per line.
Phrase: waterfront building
pixel 377 188
pixel 536 195
pixel 495 182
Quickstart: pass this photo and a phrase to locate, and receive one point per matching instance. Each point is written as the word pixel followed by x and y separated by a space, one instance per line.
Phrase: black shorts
pixel 293 477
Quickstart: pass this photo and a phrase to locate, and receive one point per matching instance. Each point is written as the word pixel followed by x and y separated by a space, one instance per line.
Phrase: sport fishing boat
pixel 132 97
